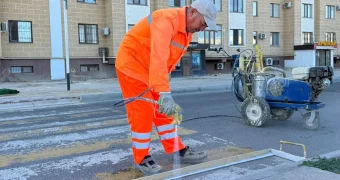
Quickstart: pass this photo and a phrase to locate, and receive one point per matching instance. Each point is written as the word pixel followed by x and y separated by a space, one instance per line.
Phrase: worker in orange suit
pixel 146 56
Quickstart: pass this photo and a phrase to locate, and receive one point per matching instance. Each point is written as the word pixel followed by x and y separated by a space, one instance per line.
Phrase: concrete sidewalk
pixel 34 94
pixel 294 171
pixel 54 93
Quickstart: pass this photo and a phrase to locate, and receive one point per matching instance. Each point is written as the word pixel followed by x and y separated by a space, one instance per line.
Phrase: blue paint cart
pixel 272 97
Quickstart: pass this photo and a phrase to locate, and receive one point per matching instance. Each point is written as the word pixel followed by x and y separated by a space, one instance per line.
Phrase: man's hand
pixel 166 103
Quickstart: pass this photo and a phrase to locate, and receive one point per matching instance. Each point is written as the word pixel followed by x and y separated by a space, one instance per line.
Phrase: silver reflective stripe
pixel 138 145
pixel 165 127
pixel 178 45
pixel 150 19
pixel 141 135
pixel 168 135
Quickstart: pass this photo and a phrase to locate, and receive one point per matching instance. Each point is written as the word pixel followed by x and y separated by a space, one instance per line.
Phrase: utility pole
pixel 66 46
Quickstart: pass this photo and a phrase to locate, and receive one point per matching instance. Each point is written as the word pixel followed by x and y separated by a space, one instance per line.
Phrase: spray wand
pixel 177 117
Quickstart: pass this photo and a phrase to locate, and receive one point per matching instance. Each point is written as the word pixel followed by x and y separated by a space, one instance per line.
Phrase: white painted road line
pixel 42 115
pixel 65 139
pixel 61 123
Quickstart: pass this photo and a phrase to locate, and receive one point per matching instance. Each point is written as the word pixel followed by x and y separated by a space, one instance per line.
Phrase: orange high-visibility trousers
pixel 141 115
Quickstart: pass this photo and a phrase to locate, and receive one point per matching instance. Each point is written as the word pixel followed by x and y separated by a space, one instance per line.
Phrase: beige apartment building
pixel 291 33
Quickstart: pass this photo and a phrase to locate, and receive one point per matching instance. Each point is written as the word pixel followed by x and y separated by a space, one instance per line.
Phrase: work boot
pixel 148 166
pixel 187 155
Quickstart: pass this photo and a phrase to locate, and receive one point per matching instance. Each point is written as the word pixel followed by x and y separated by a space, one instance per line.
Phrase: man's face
pixel 195 21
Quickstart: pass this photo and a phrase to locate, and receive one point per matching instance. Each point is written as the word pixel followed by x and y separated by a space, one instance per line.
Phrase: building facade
pixel 291 33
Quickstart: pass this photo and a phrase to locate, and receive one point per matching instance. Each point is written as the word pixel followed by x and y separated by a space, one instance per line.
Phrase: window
pixel 255 8
pixel 254 38
pixel 137 2
pixel 307 10
pixel 307 37
pixel 22 69
pixel 88 1
pixel 236 6
pixel 88 33
pixel 330 12
pixel 89 67
pixel 330 36
pixel 211 37
pixel 236 37
pixel 274 10
pixel 130 26
pixel 177 3
pixel 276 62
pixel 218 4
pixel 275 39
pixel 20 31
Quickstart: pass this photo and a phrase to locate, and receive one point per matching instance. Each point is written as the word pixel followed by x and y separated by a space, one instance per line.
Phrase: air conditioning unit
pixel 3 27
pixel 268 61
pixel 219 66
pixel 288 5
pixel 338 7
pixel 106 31
pixel 262 36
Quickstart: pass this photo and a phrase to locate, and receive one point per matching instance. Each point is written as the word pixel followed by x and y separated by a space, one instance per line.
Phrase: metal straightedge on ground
pixel 222 163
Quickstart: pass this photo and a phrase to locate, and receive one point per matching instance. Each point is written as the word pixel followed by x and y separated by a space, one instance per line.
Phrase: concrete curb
pixel 100 97
pixel 38 104
pixel 91 98
pixel 38 100
pixel 330 155
pixel 118 96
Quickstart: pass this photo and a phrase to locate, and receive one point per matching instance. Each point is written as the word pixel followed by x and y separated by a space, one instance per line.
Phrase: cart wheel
pixel 311 120
pixel 281 114
pixel 255 111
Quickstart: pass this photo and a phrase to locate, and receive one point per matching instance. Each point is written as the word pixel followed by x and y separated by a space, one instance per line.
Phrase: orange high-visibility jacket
pixel 153 47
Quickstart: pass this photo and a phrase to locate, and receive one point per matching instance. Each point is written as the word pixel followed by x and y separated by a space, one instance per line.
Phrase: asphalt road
pixel 91 141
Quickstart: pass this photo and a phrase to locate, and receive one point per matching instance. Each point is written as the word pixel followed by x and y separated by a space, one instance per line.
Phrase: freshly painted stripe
pixel 81 162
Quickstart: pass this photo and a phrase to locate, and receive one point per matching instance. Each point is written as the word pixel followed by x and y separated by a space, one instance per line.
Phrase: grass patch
pixel 8 91
pixel 332 165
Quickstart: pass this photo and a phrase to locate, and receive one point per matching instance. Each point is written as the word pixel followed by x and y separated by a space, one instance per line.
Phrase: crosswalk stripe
pixel 61 129
pixel 47 119
pixel 62 139
pixel 85 161
pixel 60 123
pixel 43 115
pixel 77 148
